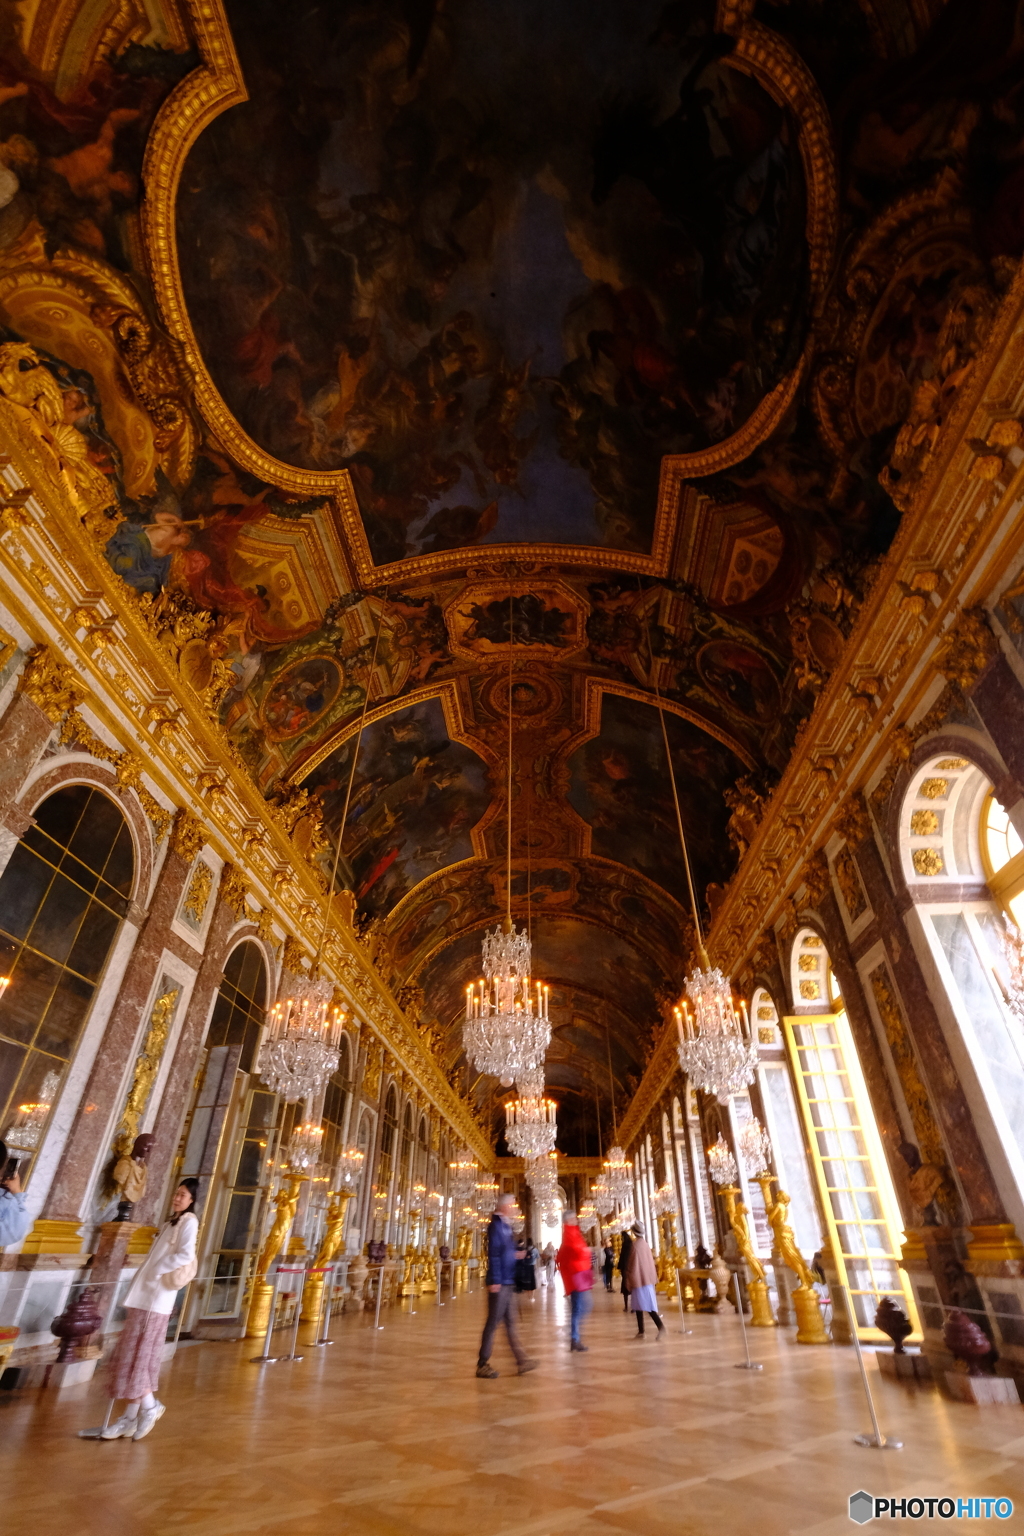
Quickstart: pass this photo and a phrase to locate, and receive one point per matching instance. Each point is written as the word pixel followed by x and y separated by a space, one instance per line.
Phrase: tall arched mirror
pixel 63 896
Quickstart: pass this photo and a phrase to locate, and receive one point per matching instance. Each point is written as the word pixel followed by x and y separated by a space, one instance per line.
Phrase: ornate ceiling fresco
pixel 430 360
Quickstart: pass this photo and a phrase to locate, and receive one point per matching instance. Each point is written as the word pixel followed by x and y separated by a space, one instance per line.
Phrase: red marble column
pixel 69 1192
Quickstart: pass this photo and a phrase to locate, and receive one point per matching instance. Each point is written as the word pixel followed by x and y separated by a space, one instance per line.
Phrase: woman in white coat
pixel 134 1370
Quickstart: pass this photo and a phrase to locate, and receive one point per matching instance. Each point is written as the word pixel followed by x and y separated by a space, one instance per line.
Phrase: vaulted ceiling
pixel 463 360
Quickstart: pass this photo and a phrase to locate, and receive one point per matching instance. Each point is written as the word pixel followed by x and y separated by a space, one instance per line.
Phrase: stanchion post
pixel 327 1270
pixel 440 1281
pixel 380 1288
pixel 747 1364
pixel 295 1270
pixel 876 1440
pixel 266 1358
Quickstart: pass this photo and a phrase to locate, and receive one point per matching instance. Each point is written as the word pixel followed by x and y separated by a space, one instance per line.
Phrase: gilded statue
pixel 286 1203
pixel 737 1212
pixel 785 1241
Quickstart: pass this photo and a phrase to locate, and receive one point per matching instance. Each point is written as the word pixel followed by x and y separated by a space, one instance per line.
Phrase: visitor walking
pixel 547 1264
pixel 577 1270
pixel 501 1275
pixel 642 1277
pixel 608 1267
pixel 624 1252
pixel 134 1371
pixel 15 1220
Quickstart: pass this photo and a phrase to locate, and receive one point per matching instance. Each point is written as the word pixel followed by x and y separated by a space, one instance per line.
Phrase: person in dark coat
pixel 624 1256
pixel 526 1274
pixel 501 1276
pixel 608 1267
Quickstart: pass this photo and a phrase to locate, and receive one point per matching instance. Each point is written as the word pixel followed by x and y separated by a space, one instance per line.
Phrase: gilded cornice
pixel 100 647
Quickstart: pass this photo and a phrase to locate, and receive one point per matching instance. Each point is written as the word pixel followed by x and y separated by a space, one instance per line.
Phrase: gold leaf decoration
pixel 198 894
pixel 924 823
pixel 934 789
pixel 234 889
pixel 848 881
pixel 810 989
pixel 928 861
pixel 50 685
pixel 188 835
pixel 147 1066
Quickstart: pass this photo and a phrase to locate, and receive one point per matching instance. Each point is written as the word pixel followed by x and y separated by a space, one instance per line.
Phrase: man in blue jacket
pixel 501 1274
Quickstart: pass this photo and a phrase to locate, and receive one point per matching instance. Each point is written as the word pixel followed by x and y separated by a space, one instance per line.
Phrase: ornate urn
pixel 78 1320
pixel 966 1341
pixel 893 1321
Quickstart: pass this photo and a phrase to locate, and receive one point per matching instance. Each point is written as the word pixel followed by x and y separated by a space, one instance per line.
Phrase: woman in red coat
pixel 577 1271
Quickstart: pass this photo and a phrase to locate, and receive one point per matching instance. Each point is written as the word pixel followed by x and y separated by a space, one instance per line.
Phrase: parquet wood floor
pixel 390 1433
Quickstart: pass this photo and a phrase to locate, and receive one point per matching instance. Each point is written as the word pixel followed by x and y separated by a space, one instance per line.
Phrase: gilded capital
pixel 187 836
pixel 968 647
pixel 51 685
pixel 852 821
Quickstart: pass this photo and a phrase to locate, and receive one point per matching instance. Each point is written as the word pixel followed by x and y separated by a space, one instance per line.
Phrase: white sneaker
pixel 147 1418
pixel 125 1425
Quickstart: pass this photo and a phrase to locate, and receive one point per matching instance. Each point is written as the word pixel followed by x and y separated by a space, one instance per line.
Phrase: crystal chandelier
pixel 663 1201
pixel 542 1175
pixel 604 1202
pixel 305 1146
pixel 27 1127
pixel 715 1046
pixel 486 1196
pixel 463 1176
pixel 507 1032
pixel 755 1146
pixel 618 1176
pixel 530 1126
pixel 588 1216
pixel 349 1169
pixel 299 1050
pixel 722 1163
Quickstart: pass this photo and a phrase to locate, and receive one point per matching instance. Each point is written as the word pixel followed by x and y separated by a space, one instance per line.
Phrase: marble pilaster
pixel 175 1100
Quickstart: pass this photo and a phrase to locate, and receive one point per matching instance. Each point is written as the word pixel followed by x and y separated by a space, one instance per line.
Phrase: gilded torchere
pixel 329 1245
pixel 810 1328
pixel 760 1307
pixel 286 1202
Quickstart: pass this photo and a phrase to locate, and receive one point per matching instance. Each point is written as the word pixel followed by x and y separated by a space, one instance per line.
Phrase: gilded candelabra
pixel 429 1256
pixel 286 1203
pixel 810 1327
pixel 329 1245
pixel 761 1315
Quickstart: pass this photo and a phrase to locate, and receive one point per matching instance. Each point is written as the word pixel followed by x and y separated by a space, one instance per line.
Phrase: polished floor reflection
pixel 391 1432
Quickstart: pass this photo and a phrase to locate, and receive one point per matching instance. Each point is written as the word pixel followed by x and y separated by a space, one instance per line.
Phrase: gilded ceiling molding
pixel 597 687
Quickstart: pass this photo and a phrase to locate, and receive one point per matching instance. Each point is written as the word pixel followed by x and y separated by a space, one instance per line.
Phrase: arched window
pixel 239 1011
pixel 963 846
pixel 1002 853
pixel 388 1129
pixel 63 896
pixel 853 1177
